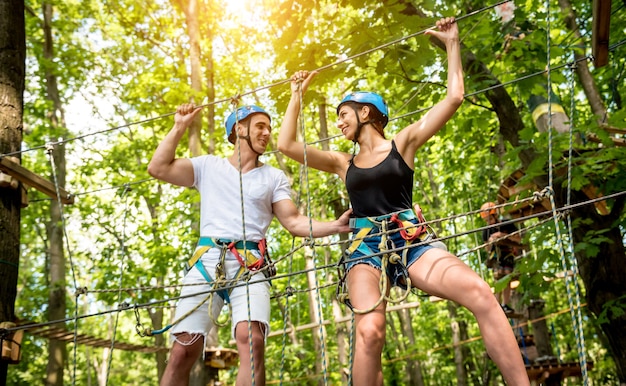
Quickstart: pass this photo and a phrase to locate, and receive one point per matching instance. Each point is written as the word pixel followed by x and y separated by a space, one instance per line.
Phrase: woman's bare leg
pixel 442 274
pixel 364 292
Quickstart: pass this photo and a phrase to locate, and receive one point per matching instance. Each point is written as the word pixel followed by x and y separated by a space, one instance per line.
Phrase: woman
pixel 379 180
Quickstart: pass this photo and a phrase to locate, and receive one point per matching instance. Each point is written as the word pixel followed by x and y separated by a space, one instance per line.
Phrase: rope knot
pixel 80 291
pixel 234 101
pixel 49 147
pixel 289 291
pixel 538 196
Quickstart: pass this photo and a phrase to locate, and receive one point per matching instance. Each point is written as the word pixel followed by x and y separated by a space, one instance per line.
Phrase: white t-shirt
pixel 220 199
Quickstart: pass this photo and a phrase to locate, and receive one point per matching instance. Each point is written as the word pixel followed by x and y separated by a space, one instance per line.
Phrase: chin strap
pixel 247 138
pixel 359 125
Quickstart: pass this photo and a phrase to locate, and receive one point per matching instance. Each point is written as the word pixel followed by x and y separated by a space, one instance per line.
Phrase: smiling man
pixel 232 242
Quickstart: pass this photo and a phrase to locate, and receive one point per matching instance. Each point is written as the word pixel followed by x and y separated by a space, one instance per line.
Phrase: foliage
pixel 122 68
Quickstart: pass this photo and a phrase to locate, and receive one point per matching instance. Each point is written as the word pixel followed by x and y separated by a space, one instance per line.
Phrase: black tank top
pixel 384 188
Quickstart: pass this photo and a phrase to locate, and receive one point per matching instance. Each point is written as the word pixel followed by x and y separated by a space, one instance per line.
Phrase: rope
pixel 234 103
pixel 351 344
pixel 258 89
pixel 119 293
pixel 154 303
pixel 575 320
pixel 581 336
pixel 320 315
pixel 470 340
pixel 49 150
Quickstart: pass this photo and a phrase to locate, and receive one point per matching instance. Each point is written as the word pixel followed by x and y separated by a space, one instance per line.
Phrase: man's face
pixel 492 218
pixel 260 131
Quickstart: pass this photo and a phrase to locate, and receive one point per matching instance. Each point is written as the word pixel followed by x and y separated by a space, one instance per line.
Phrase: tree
pixel 12 62
pixel 136 67
pixel 57 305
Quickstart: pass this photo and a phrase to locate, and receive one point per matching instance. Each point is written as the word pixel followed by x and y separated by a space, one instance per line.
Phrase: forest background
pixel 103 78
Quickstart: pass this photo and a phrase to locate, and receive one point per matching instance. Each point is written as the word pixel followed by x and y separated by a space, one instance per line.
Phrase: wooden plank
pixel 620 142
pixel 600 32
pixel 29 178
pixel 59 333
pixel 541 371
pixel 613 130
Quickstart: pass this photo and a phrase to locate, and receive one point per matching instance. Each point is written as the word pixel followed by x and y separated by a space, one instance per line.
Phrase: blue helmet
pixel 370 98
pixel 242 113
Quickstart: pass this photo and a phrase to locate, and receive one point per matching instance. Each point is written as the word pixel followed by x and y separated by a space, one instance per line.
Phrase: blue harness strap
pixel 206 243
pixel 367 224
pixel 370 222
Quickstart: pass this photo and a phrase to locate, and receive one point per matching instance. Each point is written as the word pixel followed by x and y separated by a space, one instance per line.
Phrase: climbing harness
pixel 497 258
pixel 252 257
pixel 250 260
pixel 402 222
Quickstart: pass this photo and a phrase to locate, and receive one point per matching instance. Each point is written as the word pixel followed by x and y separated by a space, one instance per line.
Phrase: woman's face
pixel 347 122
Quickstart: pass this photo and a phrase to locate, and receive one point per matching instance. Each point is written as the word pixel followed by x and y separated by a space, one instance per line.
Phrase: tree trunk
pixel 542 340
pixel 319 334
pixel 190 8
pixel 210 93
pixel 12 67
pixel 57 353
pixel 390 352
pixel 413 365
pixel 156 316
pixel 582 68
pixel 459 357
pixel 603 275
pixel 540 330
pixel 343 330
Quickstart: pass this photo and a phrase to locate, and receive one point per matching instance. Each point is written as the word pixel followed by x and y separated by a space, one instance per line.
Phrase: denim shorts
pixel 395 272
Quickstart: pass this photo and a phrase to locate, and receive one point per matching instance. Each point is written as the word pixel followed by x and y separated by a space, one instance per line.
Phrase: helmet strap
pixel 247 138
pixel 359 125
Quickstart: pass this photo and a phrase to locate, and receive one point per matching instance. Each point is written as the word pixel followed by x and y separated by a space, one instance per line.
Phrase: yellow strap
pixel 358 239
pixel 197 255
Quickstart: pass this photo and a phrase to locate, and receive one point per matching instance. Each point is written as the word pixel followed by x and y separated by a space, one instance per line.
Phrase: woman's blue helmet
pixel 370 98
pixel 241 114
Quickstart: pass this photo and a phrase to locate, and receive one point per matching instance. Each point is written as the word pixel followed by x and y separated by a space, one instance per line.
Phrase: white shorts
pixel 199 321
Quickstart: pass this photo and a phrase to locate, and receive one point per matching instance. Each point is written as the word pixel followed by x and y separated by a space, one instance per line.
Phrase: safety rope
pixel 121 280
pixel 281 82
pixel 575 320
pixel 320 315
pixel 581 339
pixel 388 254
pixel 156 303
pixel 469 340
pixel 235 103
pixel 50 152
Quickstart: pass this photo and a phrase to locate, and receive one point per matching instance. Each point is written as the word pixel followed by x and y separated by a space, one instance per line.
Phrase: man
pixel 226 248
pixel 502 250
